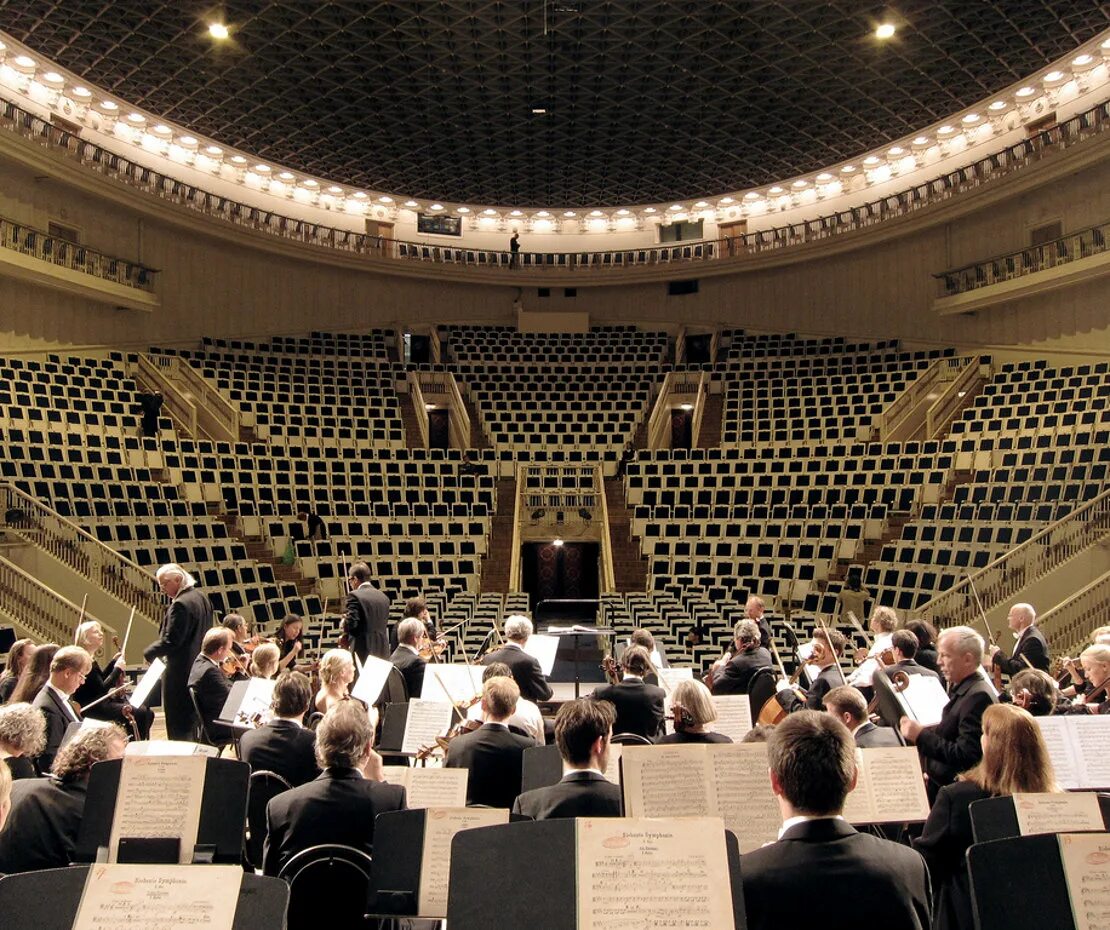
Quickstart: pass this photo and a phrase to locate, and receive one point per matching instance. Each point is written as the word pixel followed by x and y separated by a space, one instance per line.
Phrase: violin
pixel 232 665
pixel 432 649
pixel 611 669
pixel 683 719
pixel 709 677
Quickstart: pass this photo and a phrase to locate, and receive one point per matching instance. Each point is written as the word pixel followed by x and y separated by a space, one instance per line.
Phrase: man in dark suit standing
pixel 953 745
pixel 639 706
pixel 340 806
pixel 367 620
pixel 525 668
pixel 178 643
pixel 1031 648
pixel 493 754
pixel 859 879
pixel 406 657
pixel 583 729
pixel 210 683
pixel 283 745
pixel 67 671
pixel 848 706
pixel 734 675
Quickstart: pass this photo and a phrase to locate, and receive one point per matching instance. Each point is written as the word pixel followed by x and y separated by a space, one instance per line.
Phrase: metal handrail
pixel 82 552
pixel 1025 261
pixel 27 240
pixel 41 611
pixel 459 412
pixel 416 398
pixel 1068 625
pixel 1013 570
pixel 998 164
pixel 514 556
pixel 205 394
pixel 941 412
pixel 177 404
pixel 609 576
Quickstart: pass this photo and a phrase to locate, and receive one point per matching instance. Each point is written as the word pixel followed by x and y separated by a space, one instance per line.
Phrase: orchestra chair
pixel 333 873
pixel 631 739
pixel 264 786
pixel 761 688
pixel 202 730
pixel 996 819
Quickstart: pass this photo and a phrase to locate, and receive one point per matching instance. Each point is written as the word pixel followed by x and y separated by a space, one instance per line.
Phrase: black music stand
pixel 573 655
pixel 996 818
pixel 1019 884
pixel 518 852
pixel 223 815
pixel 542 767
pixel 48 900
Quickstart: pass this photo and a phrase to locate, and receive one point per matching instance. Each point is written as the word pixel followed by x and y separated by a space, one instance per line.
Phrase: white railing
pixel 459 412
pixel 1011 572
pixel 416 395
pixel 660 414
pixel 178 406
pixel 85 554
pixel 225 415
pixel 608 573
pixel 1068 625
pixel 41 612
pixel 514 556
pixel 943 410
pixel 699 409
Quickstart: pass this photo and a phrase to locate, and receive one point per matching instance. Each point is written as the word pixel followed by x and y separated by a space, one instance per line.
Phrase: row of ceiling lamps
pixel 180 146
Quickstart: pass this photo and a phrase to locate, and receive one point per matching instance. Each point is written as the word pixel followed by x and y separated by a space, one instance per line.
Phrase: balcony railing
pixel 997 165
pixel 1022 262
pixel 38 244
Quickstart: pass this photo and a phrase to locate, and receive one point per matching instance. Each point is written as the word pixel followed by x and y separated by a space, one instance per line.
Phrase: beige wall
pixel 209 287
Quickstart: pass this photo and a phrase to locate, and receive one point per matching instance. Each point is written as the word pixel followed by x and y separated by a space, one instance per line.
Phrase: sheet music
pixel 425 721
pixel 889 787
pixel 159 796
pixel 669 677
pixel 254 708
pixel 1058 740
pixel 1079 748
pixel 613 769
pixel 429 787
pixel 1059 812
pixel 924 699
pixel 644 874
pixel 451 682
pixel 440 826
pixel 734 715
pixel 1085 857
pixel 666 781
pixel 742 793
pixel 146 683
pixel 120 896
pixel 169 747
pixel 543 648
pixel 371 680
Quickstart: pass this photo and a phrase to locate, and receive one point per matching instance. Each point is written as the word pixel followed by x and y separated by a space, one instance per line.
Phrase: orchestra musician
pixel 36 670
pixel 1096 669
pixel 367 620
pixel 211 682
pixel 411 632
pixel 337 672
pixel 241 640
pixel 99 681
pixel 822 871
pixel 640 706
pixel 732 674
pixel 952 746
pixel 1015 759
pixel 753 610
pixel 289 640
pixel 525 668
pixel 583 729
pixel 825 646
pixel 265 661
pixel 904 645
pixel 284 745
pixel 926 644
pixel 847 704
pixel 642 637
pixel 21 651
pixel 882 624
pixel 1030 649
pixel 67 671
pixel 22 738
pixel 525 720
pixel 693 710
pixel 1035 691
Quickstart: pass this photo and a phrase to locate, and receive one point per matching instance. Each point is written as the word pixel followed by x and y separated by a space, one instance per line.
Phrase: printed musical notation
pixel 121 896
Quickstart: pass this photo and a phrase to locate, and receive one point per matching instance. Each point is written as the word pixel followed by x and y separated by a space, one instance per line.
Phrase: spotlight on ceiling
pixel 218 31
pixel 539 110
pixel 884 31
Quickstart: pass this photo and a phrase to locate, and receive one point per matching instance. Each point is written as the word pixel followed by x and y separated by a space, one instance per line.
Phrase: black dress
pixel 98 682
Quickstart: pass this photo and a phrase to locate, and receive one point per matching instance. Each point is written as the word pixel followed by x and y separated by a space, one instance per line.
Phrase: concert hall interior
pixel 650 456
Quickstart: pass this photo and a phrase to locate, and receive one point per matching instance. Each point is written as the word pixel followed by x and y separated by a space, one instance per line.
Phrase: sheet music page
pixel 120 896
pixel 159 796
pixel 426 720
pixel 440 826
pixel 669 677
pixel 1060 741
pixel 255 709
pixel 371 680
pixel 889 787
pixel 169 747
pixel 543 648
pixel 734 715
pixel 439 787
pixel 639 874
pixel 146 683
pixel 613 769
pixel 666 781
pixel 742 793
pixel 926 699
pixel 453 682
pixel 1061 812
pixel 397 775
pixel 1086 857
pixel 1091 735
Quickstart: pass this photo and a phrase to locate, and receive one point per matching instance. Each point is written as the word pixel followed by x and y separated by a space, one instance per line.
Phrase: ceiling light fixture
pixel 53 77
pixel 213 150
pixel 218 31
pixel 385 200
pixel 436 206
pixel 971 118
pixel 1082 60
pixel 108 105
pixel 463 210
pixel 726 200
pixel 570 213
pixel 24 61
pixel 885 31
pixel 411 203
pixel 775 190
pixel 1054 76
pixel 136 118
pixel 82 92
pixel 286 176
pixel 596 213
pixel 701 204
pixel 188 141
pixel 1026 92
pixel 650 210
pixel 848 169
pixel 335 189
pixel 824 176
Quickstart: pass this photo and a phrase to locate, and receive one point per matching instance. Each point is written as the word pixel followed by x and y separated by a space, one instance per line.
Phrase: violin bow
pixel 80 616
pixel 828 640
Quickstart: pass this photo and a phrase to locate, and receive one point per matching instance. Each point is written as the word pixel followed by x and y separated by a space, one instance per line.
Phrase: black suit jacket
pixel 639 707
pixel 57 721
pixel 338 807
pixel 41 832
pixel 367 622
pixel 494 757
pixel 282 747
pixel 735 677
pixel 827 679
pixel 526 671
pixel 1033 646
pixel 187 618
pixel 212 687
pixel 911 667
pixel 870 736
pixel 579 794
pixel 859 880
pixel 411 666
pixel 952 746
pixel 944 843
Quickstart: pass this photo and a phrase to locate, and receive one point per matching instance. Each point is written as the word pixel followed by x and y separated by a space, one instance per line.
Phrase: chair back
pixel 264 786
pixel 761 688
pixel 333 873
pixel 631 739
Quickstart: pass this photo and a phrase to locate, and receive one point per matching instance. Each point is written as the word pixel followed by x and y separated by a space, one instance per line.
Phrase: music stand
pixel 1019 884
pixel 996 818
pixel 542 767
pixel 49 899
pixel 223 814
pixel 571 651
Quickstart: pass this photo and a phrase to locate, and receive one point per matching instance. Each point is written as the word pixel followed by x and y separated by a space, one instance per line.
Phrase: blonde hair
pixel 332 664
pixel 22 729
pixel 264 660
pixel 500 695
pixel 84 629
pixel 885 619
pixel 693 697
pixel 1015 757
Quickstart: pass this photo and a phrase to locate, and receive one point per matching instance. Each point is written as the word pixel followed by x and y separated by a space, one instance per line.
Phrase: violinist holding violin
pixel 211 677
pixel 289 641
pixel 67 671
pixel 1096 667
pixel 693 712
pixel 826 645
pixel 411 635
pixel 99 682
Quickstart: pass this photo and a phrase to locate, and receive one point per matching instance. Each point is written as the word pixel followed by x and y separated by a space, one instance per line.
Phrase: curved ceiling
pixel 646 100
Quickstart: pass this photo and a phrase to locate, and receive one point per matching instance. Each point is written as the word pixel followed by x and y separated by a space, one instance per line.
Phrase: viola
pixel 683 719
pixel 612 670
